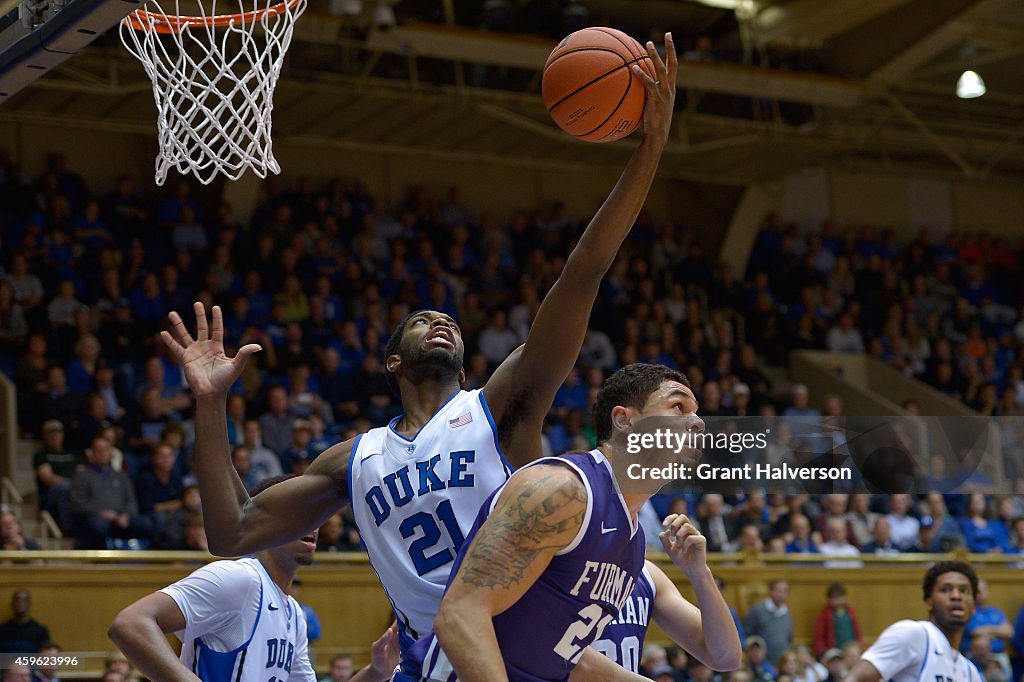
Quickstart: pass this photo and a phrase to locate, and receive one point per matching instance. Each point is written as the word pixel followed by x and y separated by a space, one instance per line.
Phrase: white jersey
pixel 240 626
pixel 415 500
pixel 917 651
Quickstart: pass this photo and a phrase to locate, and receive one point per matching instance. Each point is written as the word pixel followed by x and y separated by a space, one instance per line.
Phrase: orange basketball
pixel 589 87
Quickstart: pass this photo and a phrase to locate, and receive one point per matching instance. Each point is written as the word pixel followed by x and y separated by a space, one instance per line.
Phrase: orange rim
pixel 142 20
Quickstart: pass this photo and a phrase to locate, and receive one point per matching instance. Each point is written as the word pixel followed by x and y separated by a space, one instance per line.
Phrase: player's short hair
pixel 631 386
pixel 938 569
pixel 836 590
pixel 391 348
pixel 267 482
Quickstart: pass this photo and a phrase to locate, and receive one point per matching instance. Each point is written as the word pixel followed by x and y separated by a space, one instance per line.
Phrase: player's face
pixel 431 344
pixel 951 603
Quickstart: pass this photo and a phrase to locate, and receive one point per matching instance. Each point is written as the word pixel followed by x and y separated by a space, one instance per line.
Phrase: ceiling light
pixel 970 85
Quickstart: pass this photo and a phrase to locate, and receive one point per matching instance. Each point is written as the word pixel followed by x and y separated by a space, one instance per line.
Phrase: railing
pixel 9 493
pixel 359 559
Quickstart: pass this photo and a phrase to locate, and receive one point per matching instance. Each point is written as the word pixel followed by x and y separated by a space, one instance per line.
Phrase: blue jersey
pixel 414 500
pixel 623 639
pixel 580 592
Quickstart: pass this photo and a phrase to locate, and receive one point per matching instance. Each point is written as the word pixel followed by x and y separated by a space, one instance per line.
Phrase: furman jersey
pixel 240 626
pixel 580 592
pixel 623 639
pixel 917 651
pixel 414 501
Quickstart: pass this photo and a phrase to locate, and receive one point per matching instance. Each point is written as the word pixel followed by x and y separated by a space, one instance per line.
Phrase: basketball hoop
pixel 213 81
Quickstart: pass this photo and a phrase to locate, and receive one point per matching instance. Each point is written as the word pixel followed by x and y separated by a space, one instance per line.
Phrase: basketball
pixel 589 87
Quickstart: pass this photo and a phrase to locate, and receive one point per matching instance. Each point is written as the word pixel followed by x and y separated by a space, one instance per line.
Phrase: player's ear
pixel 393 363
pixel 622 418
pixel 462 376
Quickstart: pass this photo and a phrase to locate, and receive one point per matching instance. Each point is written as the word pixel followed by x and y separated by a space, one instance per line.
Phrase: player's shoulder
pixel 909 633
pixel 236 574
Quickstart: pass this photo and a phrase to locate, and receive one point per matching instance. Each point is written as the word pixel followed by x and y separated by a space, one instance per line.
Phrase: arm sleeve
pixel 302 669
pixel 899 648
pixel 209 599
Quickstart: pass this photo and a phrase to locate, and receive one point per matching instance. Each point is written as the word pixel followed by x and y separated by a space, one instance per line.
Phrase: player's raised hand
pixel 208 370
pixel 661 90
pixel 683 543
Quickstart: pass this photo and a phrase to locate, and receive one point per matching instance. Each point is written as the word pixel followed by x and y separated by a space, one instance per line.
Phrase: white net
pixel 213 82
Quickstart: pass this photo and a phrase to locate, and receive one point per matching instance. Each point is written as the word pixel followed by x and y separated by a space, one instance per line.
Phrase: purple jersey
pixel 623 639
pixel 543 635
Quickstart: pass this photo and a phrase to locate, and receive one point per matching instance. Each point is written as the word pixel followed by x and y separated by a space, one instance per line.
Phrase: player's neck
pixel 421 401
pixel 634 500
pixel 954 635
pixel 281 574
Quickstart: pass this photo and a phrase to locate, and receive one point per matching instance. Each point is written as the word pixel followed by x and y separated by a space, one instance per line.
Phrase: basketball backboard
pixel 38 35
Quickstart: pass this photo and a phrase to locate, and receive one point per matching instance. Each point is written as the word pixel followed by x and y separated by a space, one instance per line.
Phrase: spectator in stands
pixel 980 533
pixel 802 541
pixel 12 539
pixel 771 620
pixel 263 462
pixel 991 622
pixel 341 669
pixel 47 673
pixel 144 426
pixel 881 541
pixel 13 327
pixel 844 337
pixel 837 545
pixel 835 508
pixel 240 461
pixel 195 534
pixel 713 522
pixel 55 465
pixel 58 401
pixel 103 502
pixel 860 519
pixel 903 526
pixel 947 528
pixel 978 650
pixel 159 490
pixel 276 422
pixel 497 340
pixel 837 624
pixel 755 648
pixel 833 662
pixel 22 634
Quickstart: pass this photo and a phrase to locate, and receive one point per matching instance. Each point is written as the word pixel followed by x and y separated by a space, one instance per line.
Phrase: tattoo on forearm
pixel 519 532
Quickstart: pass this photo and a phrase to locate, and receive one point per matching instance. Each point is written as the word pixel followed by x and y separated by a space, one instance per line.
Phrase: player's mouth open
pixel 441 337
pixel 310 540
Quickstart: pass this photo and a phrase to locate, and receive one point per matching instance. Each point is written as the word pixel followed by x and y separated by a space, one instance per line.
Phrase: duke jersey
pixel 580 592
pixel 240 626
pixel 414 501
pixel 917 651
pixel 623 639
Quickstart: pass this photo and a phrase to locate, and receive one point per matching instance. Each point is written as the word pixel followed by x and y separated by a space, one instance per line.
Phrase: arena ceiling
pixel 888 99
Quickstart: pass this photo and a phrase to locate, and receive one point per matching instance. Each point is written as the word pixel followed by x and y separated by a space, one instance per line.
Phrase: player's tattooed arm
pixel 521 527
pixel 539 512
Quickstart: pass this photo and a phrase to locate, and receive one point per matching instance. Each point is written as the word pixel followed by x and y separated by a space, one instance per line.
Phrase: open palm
pixel 207 369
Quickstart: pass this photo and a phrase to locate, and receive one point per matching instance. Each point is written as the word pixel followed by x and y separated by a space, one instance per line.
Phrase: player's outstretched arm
pixel 863 671
pixel 709 633
pixel 236 524
pixel 384 658
pixel 138 631
pixel 539 512
pixel 529 378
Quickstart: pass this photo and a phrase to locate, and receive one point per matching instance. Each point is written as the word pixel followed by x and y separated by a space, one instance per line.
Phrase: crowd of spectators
pixel 321 275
